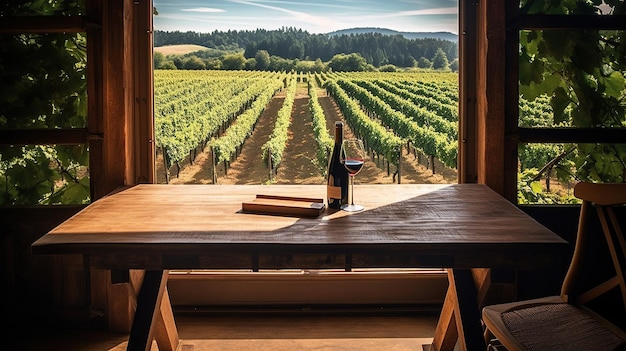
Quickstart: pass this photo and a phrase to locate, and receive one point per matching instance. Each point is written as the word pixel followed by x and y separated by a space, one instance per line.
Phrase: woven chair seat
pixel 560 327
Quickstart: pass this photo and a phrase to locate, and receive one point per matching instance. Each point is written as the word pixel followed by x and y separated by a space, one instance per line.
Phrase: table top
pixel 203 226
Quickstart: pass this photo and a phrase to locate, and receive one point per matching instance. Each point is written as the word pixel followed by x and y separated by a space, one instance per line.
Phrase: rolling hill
pixel 408 35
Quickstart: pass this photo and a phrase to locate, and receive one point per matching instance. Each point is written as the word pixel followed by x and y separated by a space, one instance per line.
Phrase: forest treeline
pixel 295 44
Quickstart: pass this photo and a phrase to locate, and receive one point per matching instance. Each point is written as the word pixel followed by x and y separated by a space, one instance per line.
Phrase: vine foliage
pixel 583 74
pixel 43 86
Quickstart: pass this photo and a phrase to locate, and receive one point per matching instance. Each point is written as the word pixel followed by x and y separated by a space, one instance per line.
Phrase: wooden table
pixel 462 227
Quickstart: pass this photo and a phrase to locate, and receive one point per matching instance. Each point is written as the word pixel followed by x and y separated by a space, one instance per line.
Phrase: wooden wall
pixel 61 290
pixel 43 290
pixel 121 111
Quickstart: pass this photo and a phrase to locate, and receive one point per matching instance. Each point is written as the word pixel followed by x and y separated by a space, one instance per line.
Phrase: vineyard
pixel 209 124
pixel 252 127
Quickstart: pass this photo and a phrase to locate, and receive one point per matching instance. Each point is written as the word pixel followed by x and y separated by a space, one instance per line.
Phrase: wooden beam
pixel 467 151
pixel 569 22
pixel 166 334
pixel 446 334
pixel 511 108
pixel 149 297
pixel 467 317
pixel 116 95
pixel 490 86
pixel 44 24
pixel 140 150
pixel 46 136
pixel 95 76
pixel 572 135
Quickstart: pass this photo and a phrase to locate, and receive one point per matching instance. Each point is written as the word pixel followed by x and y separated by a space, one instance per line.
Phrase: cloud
pixel 203 9
pixel 296 16
pixel 426 12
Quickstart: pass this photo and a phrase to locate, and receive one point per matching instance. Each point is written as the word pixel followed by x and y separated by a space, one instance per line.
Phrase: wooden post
pixel 399 162
pixel 213 173
pixel 166 166
pixel 432 162
pixel 269 164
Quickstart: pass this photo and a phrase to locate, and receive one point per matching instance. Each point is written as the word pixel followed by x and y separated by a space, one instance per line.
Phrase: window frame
pixel 119 131
pixel 120 125
pixel 516 22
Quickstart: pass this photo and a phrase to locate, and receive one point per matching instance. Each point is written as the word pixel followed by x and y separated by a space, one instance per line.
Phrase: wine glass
pixel 352 157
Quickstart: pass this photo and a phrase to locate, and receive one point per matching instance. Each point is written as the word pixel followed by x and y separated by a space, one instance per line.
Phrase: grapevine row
pixel 423 137
pixel 273 149
pixel 373 133
pixel 429 101
pixel 324 141
pixel 186 118
pixel 396 99
pixel 226 146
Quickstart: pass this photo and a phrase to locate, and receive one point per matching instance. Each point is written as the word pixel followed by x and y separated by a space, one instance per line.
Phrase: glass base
pixel 352 208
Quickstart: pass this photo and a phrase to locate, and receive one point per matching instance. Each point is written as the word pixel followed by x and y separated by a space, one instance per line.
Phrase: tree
pixel 169 64
pixel 213 64
pixel 250 64
pixel 234 62
pixel 279 64
pixel 318 66
pixel 194 63
pixel 178 62
pixel 423 62
pixel 158 59
pixel 262 60
pixel 388 68
pixel 348 63
pixel 440 60
pixel 454 65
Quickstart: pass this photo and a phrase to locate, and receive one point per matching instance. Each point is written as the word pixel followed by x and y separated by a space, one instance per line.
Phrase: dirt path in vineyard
pixel 374 173
pixel 249 167
pixel 299 165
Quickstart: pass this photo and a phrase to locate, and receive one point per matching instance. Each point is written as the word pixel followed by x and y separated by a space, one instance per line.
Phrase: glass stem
pixel 352 190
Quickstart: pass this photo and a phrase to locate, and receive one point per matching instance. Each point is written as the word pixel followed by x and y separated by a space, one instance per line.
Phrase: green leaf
pixel 613 85
pixel 536 187
pixel 559 102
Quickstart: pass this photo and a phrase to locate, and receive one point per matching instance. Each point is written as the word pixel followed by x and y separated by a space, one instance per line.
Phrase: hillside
pixel 294 44
pixel 408 35
pixel 178 49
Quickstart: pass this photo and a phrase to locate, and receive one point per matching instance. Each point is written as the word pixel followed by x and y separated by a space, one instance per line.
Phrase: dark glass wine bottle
pixel 337 175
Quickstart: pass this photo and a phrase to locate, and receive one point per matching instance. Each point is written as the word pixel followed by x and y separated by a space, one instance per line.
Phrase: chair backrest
pixel 596 278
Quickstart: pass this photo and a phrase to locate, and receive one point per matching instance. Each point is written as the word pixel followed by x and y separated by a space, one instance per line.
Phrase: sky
pixel 314 16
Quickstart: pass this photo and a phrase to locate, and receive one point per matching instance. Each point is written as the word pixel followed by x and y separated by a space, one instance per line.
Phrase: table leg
pixel 466 310
pixel 148 305
pixel 446 334
pixel 460 316
pixel 166 334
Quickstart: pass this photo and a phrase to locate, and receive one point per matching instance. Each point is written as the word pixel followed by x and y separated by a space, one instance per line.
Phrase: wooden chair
pixel 590 313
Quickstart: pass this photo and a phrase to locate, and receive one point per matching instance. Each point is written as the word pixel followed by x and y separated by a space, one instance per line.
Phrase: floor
pixel 268 332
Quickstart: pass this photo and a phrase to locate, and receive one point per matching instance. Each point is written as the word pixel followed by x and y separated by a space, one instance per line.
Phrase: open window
pixel 44 139
pixel 415 110
pixel 566 97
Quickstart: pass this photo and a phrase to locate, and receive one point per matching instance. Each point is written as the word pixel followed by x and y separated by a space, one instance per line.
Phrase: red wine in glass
pixel 352 157
pixel 353 166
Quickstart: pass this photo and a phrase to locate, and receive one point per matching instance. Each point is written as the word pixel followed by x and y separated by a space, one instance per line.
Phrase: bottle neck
pixel 338 135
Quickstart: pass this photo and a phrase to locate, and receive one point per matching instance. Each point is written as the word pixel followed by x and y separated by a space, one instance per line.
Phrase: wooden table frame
pixel 467 228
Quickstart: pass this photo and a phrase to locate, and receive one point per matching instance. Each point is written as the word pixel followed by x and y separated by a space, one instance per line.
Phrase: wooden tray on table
pixel 285 206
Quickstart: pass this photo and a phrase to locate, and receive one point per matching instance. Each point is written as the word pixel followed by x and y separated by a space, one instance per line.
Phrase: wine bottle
pixel 337 175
